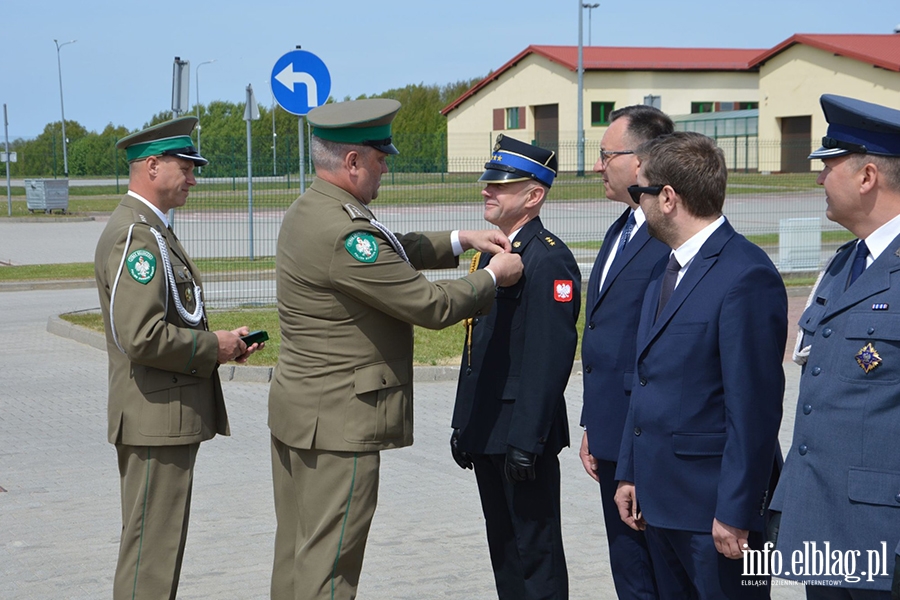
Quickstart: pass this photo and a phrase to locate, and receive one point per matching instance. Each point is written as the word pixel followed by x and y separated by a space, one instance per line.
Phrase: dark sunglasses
pixel 636 191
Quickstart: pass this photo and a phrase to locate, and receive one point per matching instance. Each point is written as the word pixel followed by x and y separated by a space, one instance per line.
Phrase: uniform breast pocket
pixel 382 406
pixel 507 303
pixel 172 403
pixel 871 349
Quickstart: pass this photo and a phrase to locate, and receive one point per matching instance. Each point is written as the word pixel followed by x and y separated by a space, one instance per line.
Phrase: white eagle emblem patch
pixel 562 290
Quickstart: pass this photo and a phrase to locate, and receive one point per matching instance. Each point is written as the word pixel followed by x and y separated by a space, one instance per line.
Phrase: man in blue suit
pixel 618 281
pixel 840 490
pixel 510 421
pixel 701 439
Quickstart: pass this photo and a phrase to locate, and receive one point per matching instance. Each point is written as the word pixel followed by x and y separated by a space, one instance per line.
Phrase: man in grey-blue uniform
pixel 839 494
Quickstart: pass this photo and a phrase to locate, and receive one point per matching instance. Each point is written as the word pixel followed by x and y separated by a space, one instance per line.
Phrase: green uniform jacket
pixel 165 389
pixel 344 376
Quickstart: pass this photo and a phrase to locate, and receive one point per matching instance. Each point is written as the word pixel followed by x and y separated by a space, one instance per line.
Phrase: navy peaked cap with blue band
pixel 514 161
pixel 855 126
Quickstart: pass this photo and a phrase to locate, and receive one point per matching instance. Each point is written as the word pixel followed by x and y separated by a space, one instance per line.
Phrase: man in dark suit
pixel 839 490
pixel 618 281
pixel 510 415
pixel 701 438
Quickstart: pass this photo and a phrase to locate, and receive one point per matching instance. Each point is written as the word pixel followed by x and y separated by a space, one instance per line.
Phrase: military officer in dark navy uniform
pixel 510 421
pixel 841 479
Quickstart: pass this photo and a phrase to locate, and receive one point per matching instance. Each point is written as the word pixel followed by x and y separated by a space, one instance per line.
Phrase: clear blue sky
pixel 120 69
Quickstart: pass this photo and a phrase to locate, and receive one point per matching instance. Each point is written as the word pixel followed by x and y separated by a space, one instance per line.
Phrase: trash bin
pixel 47 195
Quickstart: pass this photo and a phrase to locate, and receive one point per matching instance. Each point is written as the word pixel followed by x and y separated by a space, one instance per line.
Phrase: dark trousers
pixel 688 567
pixel 523 530
pixel 629 558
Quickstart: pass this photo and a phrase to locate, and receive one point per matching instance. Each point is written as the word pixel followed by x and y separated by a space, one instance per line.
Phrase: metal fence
pixel 783 213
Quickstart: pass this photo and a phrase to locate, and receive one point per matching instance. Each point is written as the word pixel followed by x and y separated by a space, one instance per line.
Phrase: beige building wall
pixel 791 83
pixel 537 81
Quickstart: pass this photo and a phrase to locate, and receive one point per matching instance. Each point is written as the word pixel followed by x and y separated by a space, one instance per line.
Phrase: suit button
pixel 591 325
pixel 826 332
pixel 871 330
pixel 803 449
pixel 816 371
pixel 807 408
pixel 643 381
pixel 587 369
pixel 637 431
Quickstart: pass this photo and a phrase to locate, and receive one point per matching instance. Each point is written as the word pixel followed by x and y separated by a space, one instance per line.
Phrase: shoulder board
pixel 850 244
pixel 550 240
pixel 355 212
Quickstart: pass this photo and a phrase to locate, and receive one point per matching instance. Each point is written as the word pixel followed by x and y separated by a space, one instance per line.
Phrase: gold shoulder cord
pixel 469 322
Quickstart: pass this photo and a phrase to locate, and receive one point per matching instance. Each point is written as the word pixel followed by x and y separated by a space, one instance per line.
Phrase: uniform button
pixel 591 325
pixel 826 332
pixel 816 371
pixel 542 440
pixel 193 371
pixel 807 408
pixel 637 431
pixel 468 370
pixel 643 381
pixel 587 369
pixel 871 330
pixel 803 449
pixel 174 380
pixel 383 381
pixel 475 321
pixel 897 497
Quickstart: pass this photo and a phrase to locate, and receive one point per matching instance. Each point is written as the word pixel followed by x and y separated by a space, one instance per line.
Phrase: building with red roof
pixel 534 95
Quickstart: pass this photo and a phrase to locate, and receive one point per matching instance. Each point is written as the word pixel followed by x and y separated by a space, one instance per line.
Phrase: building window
pixel 701 107
pixel 600 113
pixel 747 105
pixel 512 118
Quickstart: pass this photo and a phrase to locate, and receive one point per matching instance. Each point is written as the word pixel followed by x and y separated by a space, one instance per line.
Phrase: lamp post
pixel 579 172
pixel 62 107
pixel 197 79
pixel 590 8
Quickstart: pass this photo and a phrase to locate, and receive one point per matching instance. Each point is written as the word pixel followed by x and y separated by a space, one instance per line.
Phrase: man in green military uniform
pixel 349 293
pixel 164 391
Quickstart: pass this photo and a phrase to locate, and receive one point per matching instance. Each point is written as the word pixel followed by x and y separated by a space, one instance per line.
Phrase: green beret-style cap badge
pixel 362 246
pixel 141 266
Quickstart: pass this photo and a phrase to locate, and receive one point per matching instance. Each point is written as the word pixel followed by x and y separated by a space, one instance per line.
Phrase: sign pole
pixel 302 154
pixel 6 135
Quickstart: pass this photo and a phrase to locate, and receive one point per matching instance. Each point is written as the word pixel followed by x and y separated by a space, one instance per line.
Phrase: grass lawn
pixel 443 347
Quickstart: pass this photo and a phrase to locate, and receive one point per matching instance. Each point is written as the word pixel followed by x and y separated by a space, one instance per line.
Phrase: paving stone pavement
pixel 60 513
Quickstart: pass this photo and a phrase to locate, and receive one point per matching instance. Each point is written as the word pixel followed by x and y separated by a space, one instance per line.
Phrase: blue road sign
pixel 300 82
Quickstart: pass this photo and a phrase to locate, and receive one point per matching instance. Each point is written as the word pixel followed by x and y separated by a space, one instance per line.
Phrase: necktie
pixel 626 232
pixel 859 261
pixel 668 283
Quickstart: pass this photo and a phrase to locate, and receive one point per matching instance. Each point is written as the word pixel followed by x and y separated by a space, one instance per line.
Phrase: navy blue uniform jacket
pixel 610 331
pixel 701 438
pixel 522 353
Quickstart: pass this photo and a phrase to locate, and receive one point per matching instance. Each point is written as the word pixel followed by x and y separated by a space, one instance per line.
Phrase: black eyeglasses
pixel 605 155
pixel 636 191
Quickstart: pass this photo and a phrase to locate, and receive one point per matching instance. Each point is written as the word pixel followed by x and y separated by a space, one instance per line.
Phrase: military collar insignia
pixel 141 266
pixel 356 212
pixel 516 244
pixel 867 357
pixel 550 240
pixel 362 246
